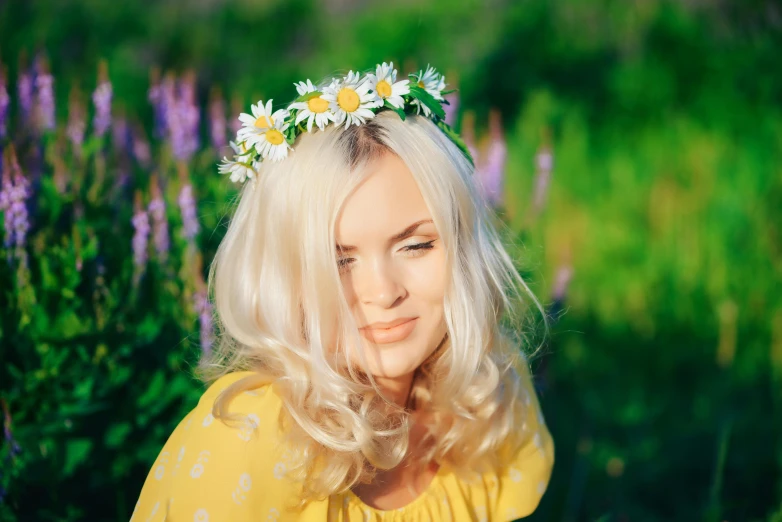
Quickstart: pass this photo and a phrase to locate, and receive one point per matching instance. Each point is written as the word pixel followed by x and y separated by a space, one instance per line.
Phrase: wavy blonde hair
pixel 279 310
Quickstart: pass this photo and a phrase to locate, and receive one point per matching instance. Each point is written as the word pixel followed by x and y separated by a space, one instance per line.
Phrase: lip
pixel 393 332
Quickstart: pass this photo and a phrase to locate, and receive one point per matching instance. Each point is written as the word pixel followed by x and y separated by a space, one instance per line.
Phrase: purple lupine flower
pixel 492 173
pixel 18 208
pixel 559 292
pixel 8 436
pixel 564 274
pixel 60 178
pixel 168 98
pixel 183 118
pixel 44 96
pixel 468 135
pixel 120 133
pixel 6 187
pixel 191 114
pixel 13 198
pixel 157 209
pixel 187 206
pixel 217 123
pixel 78 216
pixel 452 110
pixel 159 95
pixel 140 240
pixel 5 102
pixel 204 310
pixel 140 148
pixel 544 163
pixel 76 120
pixel 175 128
pixel 101 98
pixel 24 87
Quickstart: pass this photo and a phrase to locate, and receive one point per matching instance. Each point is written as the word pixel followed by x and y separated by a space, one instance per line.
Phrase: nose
pixel 379 284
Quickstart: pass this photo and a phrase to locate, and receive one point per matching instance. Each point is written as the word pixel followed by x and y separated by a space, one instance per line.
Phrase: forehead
pixel 386 201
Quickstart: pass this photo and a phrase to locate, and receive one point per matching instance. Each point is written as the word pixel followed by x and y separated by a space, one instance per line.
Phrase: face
pixel 392 266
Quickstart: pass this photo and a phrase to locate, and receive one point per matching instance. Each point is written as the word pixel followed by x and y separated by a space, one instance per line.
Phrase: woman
pixel 362 371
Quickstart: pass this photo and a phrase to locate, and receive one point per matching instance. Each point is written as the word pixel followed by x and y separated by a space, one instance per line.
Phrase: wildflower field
pixel 632 151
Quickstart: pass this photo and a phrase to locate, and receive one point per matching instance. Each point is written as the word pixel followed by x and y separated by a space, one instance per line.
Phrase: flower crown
pixel 352 100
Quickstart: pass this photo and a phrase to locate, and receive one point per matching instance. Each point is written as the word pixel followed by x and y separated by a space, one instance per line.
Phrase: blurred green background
pixel 655 237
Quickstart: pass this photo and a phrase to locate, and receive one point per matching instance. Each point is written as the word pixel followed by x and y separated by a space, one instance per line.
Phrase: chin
pixel 395 361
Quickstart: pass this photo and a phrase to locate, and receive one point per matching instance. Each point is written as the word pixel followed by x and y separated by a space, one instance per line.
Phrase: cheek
pixel 427 277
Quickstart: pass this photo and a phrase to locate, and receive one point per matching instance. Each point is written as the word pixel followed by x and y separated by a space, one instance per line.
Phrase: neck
pixel 396 389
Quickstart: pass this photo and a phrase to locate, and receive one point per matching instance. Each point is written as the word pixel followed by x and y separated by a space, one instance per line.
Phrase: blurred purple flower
pixel 564 274
pixel 559 293
pixel 14 447
pixel 161 95
pixel 452 110
pixel 24 88
pixel 140 240
pixel 13 197
pixel 183 118
pixel 217 123
pixel 492 173
pixel 141 149
pixel 468 135
pixel 544 163
pixel 120 134
pixel 6 189
pixel 77 125
pixel 60 174
pixel 101 98
pixel 78 216
pixel 204 310
pixel 44 95
pixel 187 206
pixel 5 102
pixel 157 209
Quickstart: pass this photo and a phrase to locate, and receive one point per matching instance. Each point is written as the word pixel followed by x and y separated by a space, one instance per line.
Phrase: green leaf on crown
pixel 456 139
pixel 428 100
pixel 308 96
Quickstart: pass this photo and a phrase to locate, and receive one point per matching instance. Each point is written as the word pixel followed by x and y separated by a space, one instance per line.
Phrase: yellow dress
pixel 210 472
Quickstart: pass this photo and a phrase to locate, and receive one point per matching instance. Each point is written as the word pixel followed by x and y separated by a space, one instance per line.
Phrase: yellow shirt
pixel 210 472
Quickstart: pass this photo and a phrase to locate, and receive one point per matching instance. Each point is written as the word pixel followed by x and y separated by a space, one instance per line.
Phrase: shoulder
pixel 251 394
pixel 236 405
pixel 223 467
pixel 521 485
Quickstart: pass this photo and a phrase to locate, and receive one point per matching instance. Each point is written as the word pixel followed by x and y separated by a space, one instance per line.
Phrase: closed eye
pixel 420 246
pixel 416 249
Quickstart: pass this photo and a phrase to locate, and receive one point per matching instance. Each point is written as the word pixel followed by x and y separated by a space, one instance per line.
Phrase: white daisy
pixel 384 84
pixel 242 166
pixel 265 131
pixel 315 109
pixel 351 99
pixel 433 83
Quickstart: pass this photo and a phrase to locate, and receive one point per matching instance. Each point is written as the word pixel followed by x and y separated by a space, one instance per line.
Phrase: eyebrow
pixel 409 231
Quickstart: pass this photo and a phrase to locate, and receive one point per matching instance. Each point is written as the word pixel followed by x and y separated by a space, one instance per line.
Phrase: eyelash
pixel 417 247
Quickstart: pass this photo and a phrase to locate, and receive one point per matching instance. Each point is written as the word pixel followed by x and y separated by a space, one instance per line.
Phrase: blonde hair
pixel 279 309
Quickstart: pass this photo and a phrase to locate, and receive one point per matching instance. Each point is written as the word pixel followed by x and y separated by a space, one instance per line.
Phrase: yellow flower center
pixel 274 136
pixel 348 99
pixel 264 123
pixel 318 105
pixel 421 84
pixel 383 88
